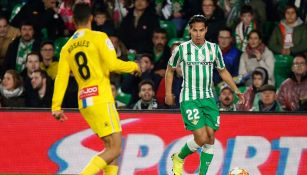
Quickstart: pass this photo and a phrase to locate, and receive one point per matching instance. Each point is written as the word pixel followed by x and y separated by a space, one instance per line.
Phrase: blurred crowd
pixel 264 45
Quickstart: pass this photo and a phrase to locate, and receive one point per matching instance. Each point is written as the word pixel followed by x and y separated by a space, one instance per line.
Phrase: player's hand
pixel 241 98
pixel 138 72
pixel 169 99
pixel 59 115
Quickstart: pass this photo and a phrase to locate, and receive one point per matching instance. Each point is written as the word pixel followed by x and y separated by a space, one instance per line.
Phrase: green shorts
pixel 199 113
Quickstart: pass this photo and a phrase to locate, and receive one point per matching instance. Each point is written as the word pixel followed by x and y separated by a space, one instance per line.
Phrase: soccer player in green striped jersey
pixel 198 107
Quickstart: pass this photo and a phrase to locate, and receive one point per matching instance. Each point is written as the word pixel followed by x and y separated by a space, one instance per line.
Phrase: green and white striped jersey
pixel 197 68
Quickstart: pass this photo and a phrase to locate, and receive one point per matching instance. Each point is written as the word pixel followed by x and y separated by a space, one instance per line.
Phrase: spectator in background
pixel 121 53
pixel 137 27
pixel 17 51
pixel 290 36
pixel 71 91
pixel 116 9
pixel 176 89
pixel 48 64
pixel 119 46
pixel 193 7
pixel 177 82
pixel 43 86
pixel 161 52
pixel 230 53
pixel 43 14
pixel 102 23
pixel 226 99
pixel 259 78
pixel 232 9
pixel 173 10
pixel 302 9
pixel 294 89
pixel 119 10
pixel 7 35
pixel 11 90
pixel 267 102
pixel 32 64
pixel 130 82
pixel 215 19
pixel 257 55
pixel 147 67
pixel 259 7
pixel 65 11
pixel 118 104
pixel 146 95
pixel 246 25
pixel 303 105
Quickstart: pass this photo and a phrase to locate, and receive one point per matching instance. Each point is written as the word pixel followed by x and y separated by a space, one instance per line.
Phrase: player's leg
pixel 212 123
pixel 195 123
pixel 111 169
pixel 112 147
pixel 111 152
pixel 206 155
pixel 104 121
pixel 178 158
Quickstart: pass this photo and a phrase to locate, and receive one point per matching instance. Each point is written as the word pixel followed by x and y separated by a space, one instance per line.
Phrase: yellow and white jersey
pixel 91 57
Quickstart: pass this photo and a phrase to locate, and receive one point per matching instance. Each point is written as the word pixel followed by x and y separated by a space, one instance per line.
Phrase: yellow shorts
pixel 103 118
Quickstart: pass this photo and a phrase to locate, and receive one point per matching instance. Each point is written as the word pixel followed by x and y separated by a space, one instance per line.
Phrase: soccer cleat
pixel 177 164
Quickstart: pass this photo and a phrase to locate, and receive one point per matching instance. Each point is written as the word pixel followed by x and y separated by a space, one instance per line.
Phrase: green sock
pixel 205 159
pixel 184 152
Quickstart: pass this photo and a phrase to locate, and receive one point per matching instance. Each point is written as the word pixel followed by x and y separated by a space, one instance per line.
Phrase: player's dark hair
pixel 246 9
pixel 197 18
pixel 81 13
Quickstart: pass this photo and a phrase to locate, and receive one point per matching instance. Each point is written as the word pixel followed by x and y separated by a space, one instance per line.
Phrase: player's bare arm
pixel 169 75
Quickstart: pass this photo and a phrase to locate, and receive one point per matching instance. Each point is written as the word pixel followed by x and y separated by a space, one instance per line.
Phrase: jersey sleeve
pixel 108 53
pixel 219 60
pixel 61 82
pixel 175 57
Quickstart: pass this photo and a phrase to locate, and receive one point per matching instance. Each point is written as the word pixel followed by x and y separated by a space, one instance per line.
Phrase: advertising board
pixel 33 142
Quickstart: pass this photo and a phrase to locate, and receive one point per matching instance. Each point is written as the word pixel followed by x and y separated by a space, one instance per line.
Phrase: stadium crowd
pixel 264 45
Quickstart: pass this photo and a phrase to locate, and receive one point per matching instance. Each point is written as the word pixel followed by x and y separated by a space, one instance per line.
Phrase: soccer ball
pixel 238 171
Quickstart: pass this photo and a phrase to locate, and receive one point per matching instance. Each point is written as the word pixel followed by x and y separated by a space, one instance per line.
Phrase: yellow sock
pixel 110 170
pixel 94 166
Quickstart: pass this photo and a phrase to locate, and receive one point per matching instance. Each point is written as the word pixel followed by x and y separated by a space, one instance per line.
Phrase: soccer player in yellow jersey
pixel 91 57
